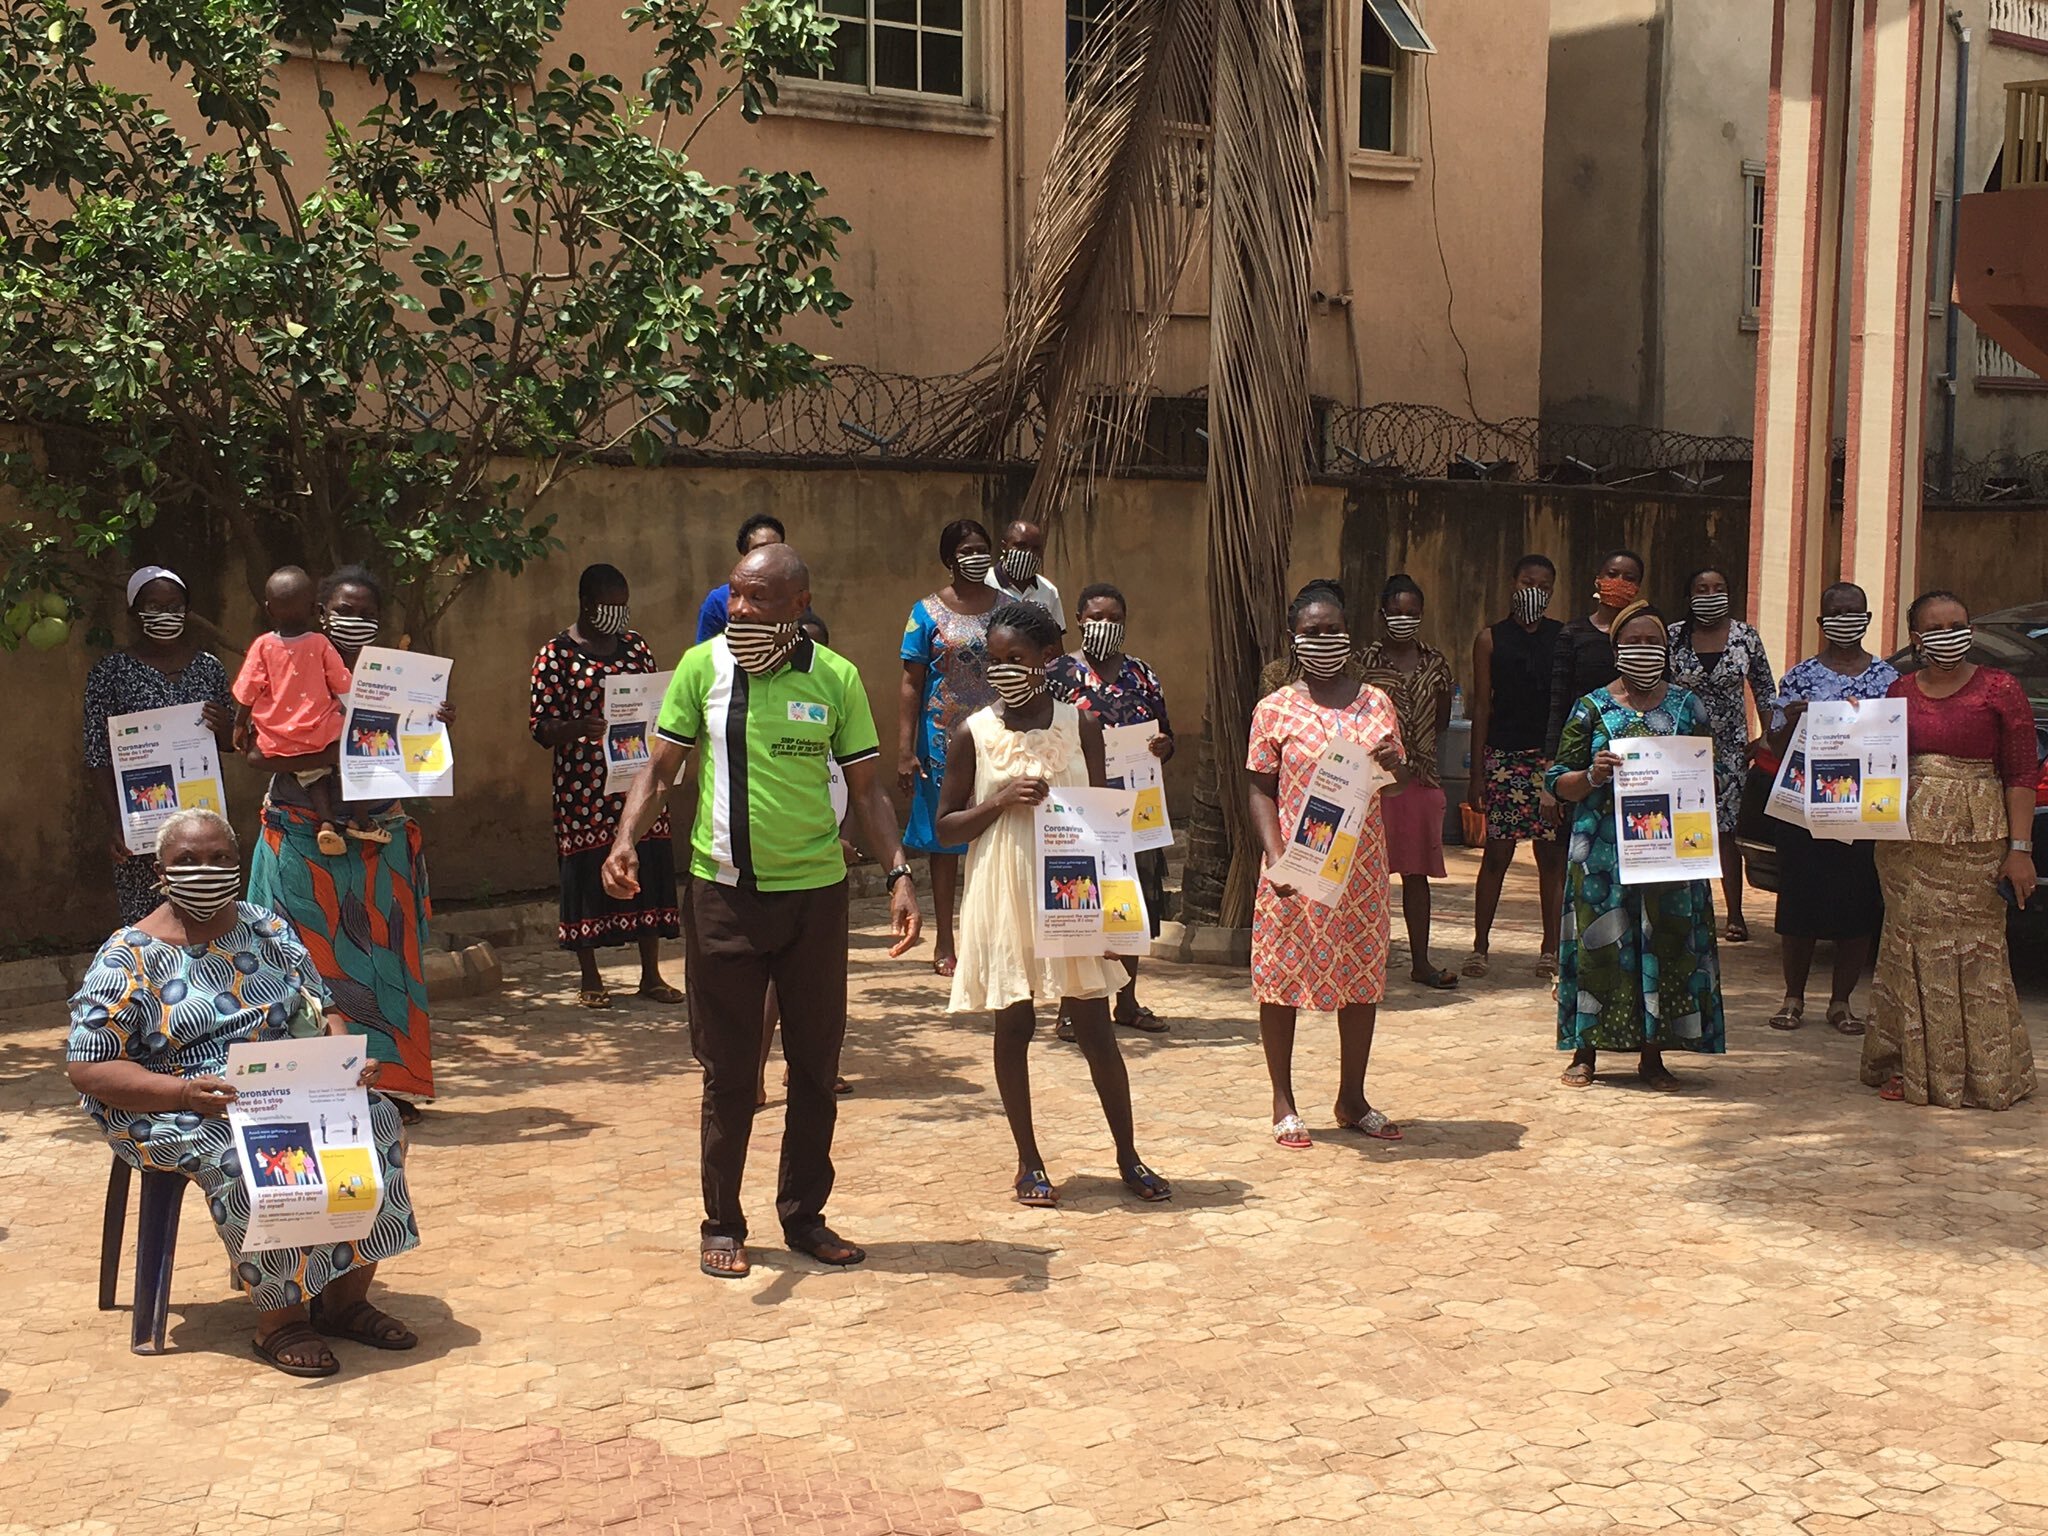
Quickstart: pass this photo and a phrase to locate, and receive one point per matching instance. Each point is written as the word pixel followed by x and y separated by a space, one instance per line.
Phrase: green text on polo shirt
pixel 764 799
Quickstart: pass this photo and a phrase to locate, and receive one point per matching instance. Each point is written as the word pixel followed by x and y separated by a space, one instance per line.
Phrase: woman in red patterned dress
pixel 567 715
pixel 1305 955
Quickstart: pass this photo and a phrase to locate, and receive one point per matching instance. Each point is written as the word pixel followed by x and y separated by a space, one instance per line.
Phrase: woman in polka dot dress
pixel 567 715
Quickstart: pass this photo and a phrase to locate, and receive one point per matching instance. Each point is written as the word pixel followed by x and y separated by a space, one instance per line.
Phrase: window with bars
pixel 1753 207
pixel 916 47
pixel 1388 35
pixel 1082 18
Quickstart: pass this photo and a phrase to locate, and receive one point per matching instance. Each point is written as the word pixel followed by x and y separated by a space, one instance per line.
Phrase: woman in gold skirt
pixel 1948 1028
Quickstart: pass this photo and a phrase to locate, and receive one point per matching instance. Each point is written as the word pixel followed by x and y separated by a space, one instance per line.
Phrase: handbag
pixel 1472 822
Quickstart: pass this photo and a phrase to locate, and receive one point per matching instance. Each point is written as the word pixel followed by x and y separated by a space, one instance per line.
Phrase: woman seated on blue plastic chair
pixel 151 1024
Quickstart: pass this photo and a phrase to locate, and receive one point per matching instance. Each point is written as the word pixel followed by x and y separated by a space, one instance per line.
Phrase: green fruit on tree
pixel 54 607
pixel 20 616
pixel 47 633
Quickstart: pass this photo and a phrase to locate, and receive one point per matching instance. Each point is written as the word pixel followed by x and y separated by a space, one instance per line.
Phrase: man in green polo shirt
pixel 766 710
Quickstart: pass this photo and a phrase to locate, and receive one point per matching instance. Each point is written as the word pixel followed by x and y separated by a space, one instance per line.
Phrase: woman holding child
pixel 362 913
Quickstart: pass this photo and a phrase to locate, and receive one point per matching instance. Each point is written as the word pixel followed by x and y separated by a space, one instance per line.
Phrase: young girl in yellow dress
pixel 1000 763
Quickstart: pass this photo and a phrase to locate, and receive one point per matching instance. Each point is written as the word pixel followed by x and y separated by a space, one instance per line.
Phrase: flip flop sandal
pixel 1291 1133
pixel 827 1247
pixel 359 1323
pixel 734 1252
pixel 1790 1015
pixel 1475 964
pixel 1737 932
pixel 947 966
pixel 271 1351
pixel 664 993
pixel 1144 1183
pixel 601 997
pixel 1372 1123
pixel 1843 1020
pixel 1035 1189
pixel 1894 1091
pixel 1143 1019
pixel 1442 981
pixel 333 845
pixel 1578 1075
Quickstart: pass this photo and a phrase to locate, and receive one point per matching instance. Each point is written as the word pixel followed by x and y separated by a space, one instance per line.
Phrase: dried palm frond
pixel 1119 214
pixel 1263 165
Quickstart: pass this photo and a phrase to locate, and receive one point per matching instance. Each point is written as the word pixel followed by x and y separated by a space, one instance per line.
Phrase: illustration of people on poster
pixel 309 1180
pixel 393 743
pixel 164 760
pixel 1089 901
pixel 1664 820
pixel 631 703
pixel 1322 845
pixel 1129 763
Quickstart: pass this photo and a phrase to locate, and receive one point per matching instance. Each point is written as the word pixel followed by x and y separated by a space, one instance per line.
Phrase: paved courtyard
pixel 1770 1305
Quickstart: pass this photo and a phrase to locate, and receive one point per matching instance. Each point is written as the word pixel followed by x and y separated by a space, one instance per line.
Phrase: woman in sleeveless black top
pixel 1512 664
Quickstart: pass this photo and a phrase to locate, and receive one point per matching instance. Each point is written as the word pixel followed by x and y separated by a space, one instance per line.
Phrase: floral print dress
pixel 1305 955
pixel 120 684
pixel 1717 682
pixel 568 684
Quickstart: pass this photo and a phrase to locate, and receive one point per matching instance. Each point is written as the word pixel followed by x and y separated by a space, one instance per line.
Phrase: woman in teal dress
pixel 1637 969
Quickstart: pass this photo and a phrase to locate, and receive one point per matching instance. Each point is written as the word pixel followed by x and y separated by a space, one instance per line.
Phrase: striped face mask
pixel 759 648
pixel 1101 638
pixel 350 632
pixel 1946 649
pixel 1845 628
pixel 201 891
pixel 1015 684
pixel 1322 655
pixel 609 618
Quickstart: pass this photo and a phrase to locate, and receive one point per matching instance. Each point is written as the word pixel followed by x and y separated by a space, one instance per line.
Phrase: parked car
pixel 2014 639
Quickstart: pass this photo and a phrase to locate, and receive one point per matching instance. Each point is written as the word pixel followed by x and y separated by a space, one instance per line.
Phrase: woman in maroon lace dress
pixel 1948 1027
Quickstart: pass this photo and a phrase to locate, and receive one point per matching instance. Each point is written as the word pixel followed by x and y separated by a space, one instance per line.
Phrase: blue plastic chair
pixel 156 1249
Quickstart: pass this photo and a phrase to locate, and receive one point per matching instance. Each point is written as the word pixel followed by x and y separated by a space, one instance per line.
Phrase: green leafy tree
pixel 392 343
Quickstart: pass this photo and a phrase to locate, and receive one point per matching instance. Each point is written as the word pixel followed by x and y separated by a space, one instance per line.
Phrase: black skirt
pixel 592 919
pixel 1826 889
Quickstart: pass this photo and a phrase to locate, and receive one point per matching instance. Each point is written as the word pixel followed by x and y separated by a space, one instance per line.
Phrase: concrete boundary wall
pixel 871 536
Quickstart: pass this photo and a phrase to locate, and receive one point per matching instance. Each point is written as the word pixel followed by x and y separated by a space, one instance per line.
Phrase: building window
pixel 1752 243
pixel 1083 16
pixel 1387 35
pixel 911 46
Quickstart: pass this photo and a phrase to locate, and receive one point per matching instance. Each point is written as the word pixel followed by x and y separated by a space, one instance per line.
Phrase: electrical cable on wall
pixel 1437 227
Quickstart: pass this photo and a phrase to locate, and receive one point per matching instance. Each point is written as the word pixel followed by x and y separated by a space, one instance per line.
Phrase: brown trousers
pixel 740 940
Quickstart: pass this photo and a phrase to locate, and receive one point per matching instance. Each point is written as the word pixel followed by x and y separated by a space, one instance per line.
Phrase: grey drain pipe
pixel 1948 300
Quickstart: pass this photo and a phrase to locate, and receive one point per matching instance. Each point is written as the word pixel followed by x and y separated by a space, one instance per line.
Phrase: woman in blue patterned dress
pixel 1827 889
pixel 151 1024
pixel 1637 967
pixel 945 679
pixel 1716 659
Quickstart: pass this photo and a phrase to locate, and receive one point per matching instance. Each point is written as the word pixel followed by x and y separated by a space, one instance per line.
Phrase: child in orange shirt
pixel 290 690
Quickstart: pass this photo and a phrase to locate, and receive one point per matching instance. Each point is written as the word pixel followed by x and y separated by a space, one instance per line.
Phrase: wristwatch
pixel 2021 845
pixel 900 872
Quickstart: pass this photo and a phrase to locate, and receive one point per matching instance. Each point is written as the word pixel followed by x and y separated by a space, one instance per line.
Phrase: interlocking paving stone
pixel 1769 1305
